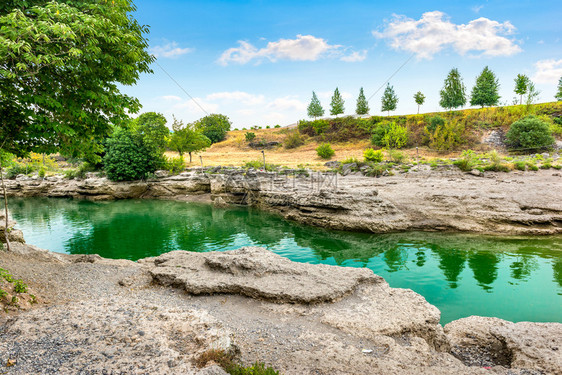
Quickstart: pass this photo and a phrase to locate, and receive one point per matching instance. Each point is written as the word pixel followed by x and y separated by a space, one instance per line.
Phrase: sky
pixel 258 62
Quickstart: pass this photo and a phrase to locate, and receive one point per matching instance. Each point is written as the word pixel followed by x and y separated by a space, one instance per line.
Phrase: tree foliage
pixel 128 157
pixel 60 66
pixel 362 104
pixel 151 126
pixel 453 92
pixel 521 86
pixel 420 99
pixel 315 108
pixel 337 104
pixel 558 95
pixel 185 138
pixel 389 99
pixel 485 91
pixel 214 127
pixel 529 133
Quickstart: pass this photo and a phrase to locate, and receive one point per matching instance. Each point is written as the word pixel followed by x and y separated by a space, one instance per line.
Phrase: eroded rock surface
pixel 110 336
pixel 419 200
pixel 258 273
pixel 481 341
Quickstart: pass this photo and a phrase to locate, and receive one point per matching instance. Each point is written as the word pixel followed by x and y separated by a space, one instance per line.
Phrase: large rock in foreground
pixel 481 341
pixel 257 273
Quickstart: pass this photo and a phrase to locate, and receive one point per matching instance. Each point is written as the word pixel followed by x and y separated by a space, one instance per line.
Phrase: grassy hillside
pixel 349 136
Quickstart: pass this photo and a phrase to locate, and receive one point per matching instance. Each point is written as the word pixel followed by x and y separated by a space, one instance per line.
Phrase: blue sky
pixel 259 61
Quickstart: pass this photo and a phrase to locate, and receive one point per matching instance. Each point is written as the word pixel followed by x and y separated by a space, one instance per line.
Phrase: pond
pixel 518 279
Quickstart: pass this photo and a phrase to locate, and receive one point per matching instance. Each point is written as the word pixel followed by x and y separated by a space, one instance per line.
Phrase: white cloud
pixel 302 48
pixel 434 32
pixel 287 103
pixel 355 56
pixel 239 96
pixel 169 50
pixel 191 107
pixel 548 71
pixel 477 8
pixel 246 112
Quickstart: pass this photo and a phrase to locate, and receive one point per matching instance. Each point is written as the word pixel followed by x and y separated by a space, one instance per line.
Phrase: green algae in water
pixel 517 279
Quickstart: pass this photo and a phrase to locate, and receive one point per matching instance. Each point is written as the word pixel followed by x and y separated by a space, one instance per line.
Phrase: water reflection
pixel 445 268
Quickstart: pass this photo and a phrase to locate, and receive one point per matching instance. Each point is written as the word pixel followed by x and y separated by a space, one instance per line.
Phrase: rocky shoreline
pixel 516 203
pixel 158 315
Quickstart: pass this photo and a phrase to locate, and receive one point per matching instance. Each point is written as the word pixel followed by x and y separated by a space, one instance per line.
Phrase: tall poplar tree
pixel 420 99
pixel 389 99
pixel 453 93
pixel 336 106
pixel 521 86
pixel 315 108
pixel 362 104
pixel 485 91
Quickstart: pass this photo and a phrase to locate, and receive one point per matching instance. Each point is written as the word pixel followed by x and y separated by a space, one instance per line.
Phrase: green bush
pixel 277 126
pixel 325 151
pixel 174 165
pixel 20 287
pixel 529 133
pixel 390 135
pixel 434 123
pixel 250 136
pixel 214 127
pixel 467 161
pixel 520 165
pixel 447 137
pixel 496 164
pixel 293 140
pixel 17 169
pixel 258 164
pixel 255 369
pixel 128 158
pixel 372 155
pixel 80 172
pixel 396 156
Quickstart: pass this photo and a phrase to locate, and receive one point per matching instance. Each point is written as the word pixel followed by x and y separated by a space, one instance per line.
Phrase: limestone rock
pixel 117 335
pixel 258 273
pixel 493 341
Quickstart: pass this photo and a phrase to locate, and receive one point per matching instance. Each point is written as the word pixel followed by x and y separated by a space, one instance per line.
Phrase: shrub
pixel 350 160
pixel 467 161
pixel 376 170
pixel 250 136
pixel 520 165
pixel 20 287
pixel 277 126
pixel 390 135
pixel 17 169
pixel 214 127
pixel 325 151
pixel 293 140
pixel 268 127
pixel 372 155
pixel 447 137
pixel 529 133
pixel 396 156
pixel 174 165
pixel 42 172
pixel 496 164
pixel 128 157
pixel 80 172
pixel 434 123
pixel 258 164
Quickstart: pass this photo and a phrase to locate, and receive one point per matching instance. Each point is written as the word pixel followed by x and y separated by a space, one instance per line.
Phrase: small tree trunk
pixel 521 101
pixel 418 109
pixel 190 157
pixel 6 232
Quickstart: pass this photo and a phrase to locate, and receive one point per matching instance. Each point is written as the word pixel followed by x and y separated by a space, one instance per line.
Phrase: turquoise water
pixel 518 279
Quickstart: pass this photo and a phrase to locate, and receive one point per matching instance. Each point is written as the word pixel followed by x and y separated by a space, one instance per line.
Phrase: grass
pixel 227 362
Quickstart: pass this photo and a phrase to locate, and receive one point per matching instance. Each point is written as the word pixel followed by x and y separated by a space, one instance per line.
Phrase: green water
pixel 514 279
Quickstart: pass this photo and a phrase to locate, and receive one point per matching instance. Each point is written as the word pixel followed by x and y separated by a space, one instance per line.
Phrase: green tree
pixel 151 126
pixel 389 99
pixel 529 133
pixel 362 104
pixel 214 127
pixel 420 99
pixel 315 108
pixel 128 157
pixel 337 104
pixel 186 138
pixel 521 86
pixel 558 95
pixel 453 91
pixel 60 66
pixel 485 91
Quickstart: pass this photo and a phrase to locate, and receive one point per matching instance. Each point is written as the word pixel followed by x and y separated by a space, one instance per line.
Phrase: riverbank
pixel 160 314
pixel 424 199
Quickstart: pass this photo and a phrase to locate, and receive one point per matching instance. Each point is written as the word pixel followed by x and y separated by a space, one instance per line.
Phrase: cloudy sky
pixel 259 61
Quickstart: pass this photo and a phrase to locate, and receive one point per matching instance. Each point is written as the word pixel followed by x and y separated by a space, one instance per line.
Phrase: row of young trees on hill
pixel 485 93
